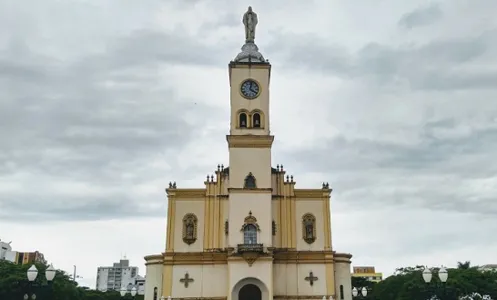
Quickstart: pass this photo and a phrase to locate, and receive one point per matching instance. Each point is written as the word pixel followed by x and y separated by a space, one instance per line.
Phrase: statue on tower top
pixel 250 22
pixel 250 52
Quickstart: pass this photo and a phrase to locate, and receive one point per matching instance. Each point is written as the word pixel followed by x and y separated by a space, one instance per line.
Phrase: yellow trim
pixel 199 298
pixel 207 221
pixel 250 141
pixel 249 65
pixel 327 223
pixel 187 193
pixel 250 79
pixel 222 257
pixel 311 193
pixel 330 279
pixel 170 229
pixel 298 297
pixel 167 280
pixel 250 191
pixel 293 223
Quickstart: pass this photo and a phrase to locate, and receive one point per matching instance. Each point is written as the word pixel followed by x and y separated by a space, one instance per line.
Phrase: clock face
pixel 250 89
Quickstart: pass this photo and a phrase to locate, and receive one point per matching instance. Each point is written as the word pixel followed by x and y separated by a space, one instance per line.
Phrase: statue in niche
pixel 190 227
pixel 309 230
pixel 250 182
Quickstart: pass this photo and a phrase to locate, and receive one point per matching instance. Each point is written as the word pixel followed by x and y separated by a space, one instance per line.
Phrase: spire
pixel 250 51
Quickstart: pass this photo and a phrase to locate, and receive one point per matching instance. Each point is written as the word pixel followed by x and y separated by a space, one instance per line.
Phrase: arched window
pixel 155 293
pixel 190 228
pixel 341 292
pixel 309 228
pixel 256 120
pixel 250 234
pixel 243 120
pixel 250 182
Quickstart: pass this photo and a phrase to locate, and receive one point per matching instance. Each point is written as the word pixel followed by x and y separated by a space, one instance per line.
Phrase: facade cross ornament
pixel 186 281
pixel 311 278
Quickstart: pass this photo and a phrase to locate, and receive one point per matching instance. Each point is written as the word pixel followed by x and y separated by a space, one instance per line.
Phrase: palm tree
pixel 464 265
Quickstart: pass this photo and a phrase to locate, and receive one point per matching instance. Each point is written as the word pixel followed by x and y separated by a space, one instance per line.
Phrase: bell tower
pixel 249 139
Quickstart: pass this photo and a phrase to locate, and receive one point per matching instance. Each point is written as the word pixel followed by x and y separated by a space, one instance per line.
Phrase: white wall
pixel 343 277
pixel 153 279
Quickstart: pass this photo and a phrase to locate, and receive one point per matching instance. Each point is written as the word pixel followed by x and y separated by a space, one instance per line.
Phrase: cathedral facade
pixel 249 233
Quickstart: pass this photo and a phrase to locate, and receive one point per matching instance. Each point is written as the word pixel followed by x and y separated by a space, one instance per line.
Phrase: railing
pixel 250 248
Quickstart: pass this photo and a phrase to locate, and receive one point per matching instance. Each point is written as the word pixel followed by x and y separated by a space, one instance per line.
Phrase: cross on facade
pixel 186 281
pixel 311 278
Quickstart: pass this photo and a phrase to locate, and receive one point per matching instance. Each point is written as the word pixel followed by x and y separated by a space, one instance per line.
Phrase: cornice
pixel 312 193
pixel 250 141
pixel 250 191
pixel 186 193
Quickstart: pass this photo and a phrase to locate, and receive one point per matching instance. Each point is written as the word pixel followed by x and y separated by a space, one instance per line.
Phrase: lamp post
pixel 132 292
pixel 32 273
pixel 361 292
pixel 443 275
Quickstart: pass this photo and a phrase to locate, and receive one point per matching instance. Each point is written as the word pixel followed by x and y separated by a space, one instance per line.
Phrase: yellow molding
pixel 167 280
pixel 342 255
pixel 195 258
pixel 249 66
pixel 320 257
pixel 312 193
pixel 330 279
pixel 303 297
pixel 250 191
pixel 198 298
pixel 187 193
pixel 209 258
pixel 154 259
pixel 250 141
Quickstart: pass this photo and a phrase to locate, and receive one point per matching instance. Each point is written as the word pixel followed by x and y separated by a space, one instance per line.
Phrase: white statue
pixel 250 21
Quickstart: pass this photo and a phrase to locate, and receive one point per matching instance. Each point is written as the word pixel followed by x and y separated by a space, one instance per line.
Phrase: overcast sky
pixel 103 102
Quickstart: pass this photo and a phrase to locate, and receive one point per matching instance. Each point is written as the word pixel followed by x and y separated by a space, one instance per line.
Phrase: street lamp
pixel 124 291
pixel 443 275
pixel 32 273
pixel 363 292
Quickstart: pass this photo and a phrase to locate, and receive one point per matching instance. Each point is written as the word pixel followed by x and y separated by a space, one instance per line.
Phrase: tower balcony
pixel 250 248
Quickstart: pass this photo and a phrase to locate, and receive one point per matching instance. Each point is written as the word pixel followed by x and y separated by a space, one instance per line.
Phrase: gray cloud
pixel 422 16
pixel 435 65
pixel 103 104
pixel 95 117
pixel 442 171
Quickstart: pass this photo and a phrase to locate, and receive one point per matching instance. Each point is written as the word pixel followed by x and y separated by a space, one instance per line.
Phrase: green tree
pixel 464 265
pixel 408 284
pixel 14 284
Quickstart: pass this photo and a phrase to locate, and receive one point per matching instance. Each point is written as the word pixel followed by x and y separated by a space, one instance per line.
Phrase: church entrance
pixel 250 292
